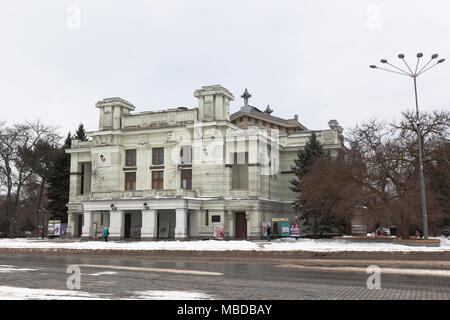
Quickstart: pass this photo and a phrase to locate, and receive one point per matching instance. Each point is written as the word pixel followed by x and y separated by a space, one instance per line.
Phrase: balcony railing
pixel 130 194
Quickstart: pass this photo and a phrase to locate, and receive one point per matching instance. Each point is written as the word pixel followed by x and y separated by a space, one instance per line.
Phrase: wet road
pixel 244 278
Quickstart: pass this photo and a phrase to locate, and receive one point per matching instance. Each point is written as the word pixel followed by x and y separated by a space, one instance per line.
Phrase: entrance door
pixel 241 225
pixel 80 225
pixel 127 225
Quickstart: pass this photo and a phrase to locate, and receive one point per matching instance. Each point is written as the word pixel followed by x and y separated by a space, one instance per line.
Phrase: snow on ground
pixel 10 269
pixel 102 273
pixel 16 293
pixel 170 295
pixel 322 245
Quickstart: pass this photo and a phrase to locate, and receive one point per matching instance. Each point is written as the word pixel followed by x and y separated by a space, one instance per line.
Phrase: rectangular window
pixel 82 179
pixel 215 218
pixel 186 155
pixel 130 158
pixel 158 156
pixel 206 218
pixel 240 171
pixel 186 178
pixel 157 179
pixel 130 180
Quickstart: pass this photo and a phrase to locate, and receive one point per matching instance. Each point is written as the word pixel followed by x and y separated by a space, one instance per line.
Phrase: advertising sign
pixel 137 231
pixel 295 230
pixel 280 219
pixel 264 226
pixel 53 228
pixel 285 228
pixel 63 229
pixel 219 230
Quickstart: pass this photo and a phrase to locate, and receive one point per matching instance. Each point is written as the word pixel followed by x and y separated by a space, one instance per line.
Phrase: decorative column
pixel 149 229
pixel 181 224
pixel 116 228
pixel 71 224
pixel 87 231
pixel 249 226
pixel 230 224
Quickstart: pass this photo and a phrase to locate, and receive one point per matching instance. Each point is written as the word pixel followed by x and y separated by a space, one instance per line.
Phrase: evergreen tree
pixel 80 134
pixel 59 182
pixel 302 165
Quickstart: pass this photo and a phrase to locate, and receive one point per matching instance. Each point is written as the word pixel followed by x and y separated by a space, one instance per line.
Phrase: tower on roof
pixel 213 103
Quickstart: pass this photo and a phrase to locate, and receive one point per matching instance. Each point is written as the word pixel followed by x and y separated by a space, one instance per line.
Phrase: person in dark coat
pixel 269 232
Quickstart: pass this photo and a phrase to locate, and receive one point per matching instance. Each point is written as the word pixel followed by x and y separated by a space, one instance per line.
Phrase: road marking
pixel 194 272
pixel 369 262
pixel 417 272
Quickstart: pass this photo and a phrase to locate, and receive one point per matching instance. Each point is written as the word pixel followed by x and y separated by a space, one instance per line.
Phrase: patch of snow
pixel 170 295
pixel 11 269
pixel 102 273
pixel 16 293
pixel 288 244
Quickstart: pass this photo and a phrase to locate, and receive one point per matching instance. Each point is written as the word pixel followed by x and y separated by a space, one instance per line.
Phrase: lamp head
pixel 441 60
pixel 401 56
pixel 419 55
pixel 434 56
pixel 383 61
pixel 373 66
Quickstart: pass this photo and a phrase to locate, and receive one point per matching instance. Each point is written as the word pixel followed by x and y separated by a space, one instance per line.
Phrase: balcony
pixel 138 194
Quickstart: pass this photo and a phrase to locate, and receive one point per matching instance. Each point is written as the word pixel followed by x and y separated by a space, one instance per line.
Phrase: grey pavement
pixel 242 278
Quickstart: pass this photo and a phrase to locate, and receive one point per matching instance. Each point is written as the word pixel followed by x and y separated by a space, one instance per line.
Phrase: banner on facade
pixel 264 226
pixel 285 228
pixel 295 230
pixel 219 230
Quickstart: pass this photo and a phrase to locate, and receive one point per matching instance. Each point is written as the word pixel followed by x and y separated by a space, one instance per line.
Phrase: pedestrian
pixel 269 233
pixel 378 232
pixel 106 234
pixel 417 234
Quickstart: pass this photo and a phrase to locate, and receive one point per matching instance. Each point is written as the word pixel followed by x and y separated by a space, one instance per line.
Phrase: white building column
pixel 149 229
pixel 87 231
pixel 248 216
pixel 181 224
pixel 71 224
pixel 231 223
pixel 116 224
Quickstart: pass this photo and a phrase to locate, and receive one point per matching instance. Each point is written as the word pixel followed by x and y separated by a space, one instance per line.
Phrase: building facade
pixel 175 174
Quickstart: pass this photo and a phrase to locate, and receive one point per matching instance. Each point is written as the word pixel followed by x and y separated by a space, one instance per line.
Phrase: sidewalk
pixel 280 245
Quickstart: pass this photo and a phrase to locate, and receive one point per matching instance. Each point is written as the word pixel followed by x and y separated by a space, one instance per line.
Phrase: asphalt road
pixel 212 276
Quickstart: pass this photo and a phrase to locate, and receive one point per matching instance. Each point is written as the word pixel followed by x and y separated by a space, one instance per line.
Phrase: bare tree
pixel 16 143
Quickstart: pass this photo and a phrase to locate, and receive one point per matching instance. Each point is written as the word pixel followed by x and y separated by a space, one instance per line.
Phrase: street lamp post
pixel 414 74
pixel 43 222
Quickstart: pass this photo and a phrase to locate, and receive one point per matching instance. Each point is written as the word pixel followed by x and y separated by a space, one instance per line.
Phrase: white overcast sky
pixel 302 57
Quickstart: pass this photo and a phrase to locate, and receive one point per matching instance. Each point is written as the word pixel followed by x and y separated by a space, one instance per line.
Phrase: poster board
pixel 53 228
pixel 137 231
pixel 295 230
pixel 285 228
pixel 219 230
pixel 264 226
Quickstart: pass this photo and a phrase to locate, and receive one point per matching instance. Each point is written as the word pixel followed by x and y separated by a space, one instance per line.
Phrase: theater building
pixel 173 174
